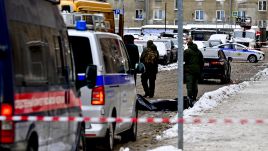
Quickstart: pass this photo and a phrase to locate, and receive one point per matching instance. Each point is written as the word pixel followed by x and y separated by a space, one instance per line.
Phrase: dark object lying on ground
pixel 160 105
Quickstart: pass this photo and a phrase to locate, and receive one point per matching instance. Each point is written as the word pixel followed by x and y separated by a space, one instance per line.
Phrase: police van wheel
pixel 131 134
pixel 109 138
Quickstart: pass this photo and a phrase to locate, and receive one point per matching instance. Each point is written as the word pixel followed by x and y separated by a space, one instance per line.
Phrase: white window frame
pixel 262 5
pixel 198 18
pixel 157 17
pixel 222 15
pixel 140 13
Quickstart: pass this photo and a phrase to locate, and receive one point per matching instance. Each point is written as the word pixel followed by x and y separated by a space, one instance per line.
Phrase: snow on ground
pixel 162 148
pixel 168 67
pixel 207 101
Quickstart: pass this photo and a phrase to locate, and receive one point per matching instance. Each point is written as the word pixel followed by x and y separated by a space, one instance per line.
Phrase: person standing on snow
pixel 194 63
pixel 149 58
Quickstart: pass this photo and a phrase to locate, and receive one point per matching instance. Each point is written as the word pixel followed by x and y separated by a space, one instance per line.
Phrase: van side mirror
pixel 91 76
pixel 140 68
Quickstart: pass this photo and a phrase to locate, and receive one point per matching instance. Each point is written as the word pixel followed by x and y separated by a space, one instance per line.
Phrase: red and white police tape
pixel 135 120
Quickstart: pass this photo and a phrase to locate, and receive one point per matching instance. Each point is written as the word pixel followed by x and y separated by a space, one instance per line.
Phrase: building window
pixel 262 5
pixel 241 13
pixel 158 14
pixel 139 14
pixel 199 15
pixel 176 4
pixel 220 15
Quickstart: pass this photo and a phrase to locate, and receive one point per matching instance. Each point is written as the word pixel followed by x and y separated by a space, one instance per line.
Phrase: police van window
pixel 69 59
pixel 58 57
pixel 37 62
pixel 125 56
pixel 112 55
pixel 81 52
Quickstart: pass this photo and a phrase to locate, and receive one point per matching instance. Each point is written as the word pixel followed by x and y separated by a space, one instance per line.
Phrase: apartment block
pixel 159 12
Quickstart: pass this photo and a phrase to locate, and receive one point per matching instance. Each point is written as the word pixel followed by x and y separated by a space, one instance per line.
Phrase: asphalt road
pixel 167 88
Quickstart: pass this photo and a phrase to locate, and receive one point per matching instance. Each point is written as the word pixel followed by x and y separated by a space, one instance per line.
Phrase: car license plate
pixel 206 64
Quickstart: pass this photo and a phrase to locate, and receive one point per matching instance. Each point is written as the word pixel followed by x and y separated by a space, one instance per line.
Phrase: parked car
pixel 167 50
pixel 217 66
pixel 237 51
pixel 114 92
pixel 245 37
pixel 224 38
pixel 212 43
pixel 165 54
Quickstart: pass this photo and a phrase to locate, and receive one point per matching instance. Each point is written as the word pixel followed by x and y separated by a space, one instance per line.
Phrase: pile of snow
pixel 166 148
pixel 210 100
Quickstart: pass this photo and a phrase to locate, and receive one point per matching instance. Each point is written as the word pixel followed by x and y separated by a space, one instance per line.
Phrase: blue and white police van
pixel 114 92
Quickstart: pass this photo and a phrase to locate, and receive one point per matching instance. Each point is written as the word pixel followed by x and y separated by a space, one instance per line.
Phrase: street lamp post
pixel 180 73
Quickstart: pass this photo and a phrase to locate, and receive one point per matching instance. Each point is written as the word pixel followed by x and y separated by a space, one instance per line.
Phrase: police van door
pixel 128 89
pixel 115 77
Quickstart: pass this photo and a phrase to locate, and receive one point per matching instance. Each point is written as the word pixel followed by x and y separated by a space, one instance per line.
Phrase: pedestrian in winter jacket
pixel 151 69
pixel 133 52
pixel 193 66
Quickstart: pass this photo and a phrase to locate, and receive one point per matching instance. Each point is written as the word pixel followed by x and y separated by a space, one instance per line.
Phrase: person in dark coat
pixel 193 66
pixel 151 69
pixel 133 52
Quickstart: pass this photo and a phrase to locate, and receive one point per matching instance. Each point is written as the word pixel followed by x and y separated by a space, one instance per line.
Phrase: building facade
pixel 160 12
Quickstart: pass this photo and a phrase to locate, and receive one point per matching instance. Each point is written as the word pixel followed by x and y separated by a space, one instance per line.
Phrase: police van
pixel 114 92
pixel 36 78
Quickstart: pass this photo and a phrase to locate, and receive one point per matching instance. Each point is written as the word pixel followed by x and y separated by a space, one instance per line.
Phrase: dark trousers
pixel 145 78
pixel 192 85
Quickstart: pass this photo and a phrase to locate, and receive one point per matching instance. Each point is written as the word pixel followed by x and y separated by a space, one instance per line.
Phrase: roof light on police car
pixel 81 25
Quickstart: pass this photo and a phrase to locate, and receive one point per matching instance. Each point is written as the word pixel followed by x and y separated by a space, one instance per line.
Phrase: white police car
pixel 237 51
pixel 106 85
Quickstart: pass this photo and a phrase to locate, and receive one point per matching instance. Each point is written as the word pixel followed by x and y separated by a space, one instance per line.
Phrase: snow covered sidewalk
pixel 248 100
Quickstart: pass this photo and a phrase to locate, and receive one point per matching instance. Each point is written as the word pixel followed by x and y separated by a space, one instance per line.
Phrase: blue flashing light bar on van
pixel 81 25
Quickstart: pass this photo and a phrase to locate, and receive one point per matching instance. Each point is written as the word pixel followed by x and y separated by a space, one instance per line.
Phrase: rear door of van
pixel 118 79
pixel 128 90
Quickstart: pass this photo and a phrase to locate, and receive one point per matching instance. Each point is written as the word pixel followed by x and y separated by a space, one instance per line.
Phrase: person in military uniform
pixel 193 66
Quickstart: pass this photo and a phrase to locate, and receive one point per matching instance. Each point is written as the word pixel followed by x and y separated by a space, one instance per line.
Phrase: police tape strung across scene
pixel 229 121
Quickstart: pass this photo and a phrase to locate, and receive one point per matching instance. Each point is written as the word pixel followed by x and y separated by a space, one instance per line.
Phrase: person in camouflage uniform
pixel 193 66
